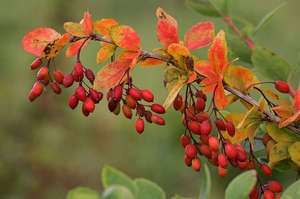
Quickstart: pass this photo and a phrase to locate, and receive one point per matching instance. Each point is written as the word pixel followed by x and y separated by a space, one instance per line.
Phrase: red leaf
pixel 74 47
pixel 104 26
pixel 87 24
pixel 125 37
pixel 200 35
pixel 35 41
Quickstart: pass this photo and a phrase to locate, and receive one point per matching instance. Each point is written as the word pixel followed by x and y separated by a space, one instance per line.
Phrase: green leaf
pixel 82 193
pixel 294 151
pixel 292 191
pixel 281 134
pixel 117 192
pixel 220 5
pixel 112 176
pixel 267 18
pixel 179 197
pixel 205 187
pixel 239 48
pixel 269 64
pixel 279 151
pixel 203 7
pixel 241 186
pixel 285 165
pixel 294 76
pixel 148 190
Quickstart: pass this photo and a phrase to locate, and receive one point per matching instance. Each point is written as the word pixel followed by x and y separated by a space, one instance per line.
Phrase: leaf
pixel 148 190
pixel 179 197
pixel 220 5
pixel 53 48
pixel 82 193
pixel 200 35
pixel 129 56
pixel 112 176
pixel 219 96
pixel 267 18
pixel 205 189
pixel 35 41
pixel 166 28
pixel 105 52
pixel 269 64
pixel 239 48
pixel 241 186
pixel 294 151
pixel 75 46
pixel 125 37
pixel 103 26
pixel 293 191
pixel 289 120
pixel 117 192
pixel 180 56
pixel 202 7
pixel 151 62
pixel 87 24
pixel 75 29
pixel 281 135
pixel 278 152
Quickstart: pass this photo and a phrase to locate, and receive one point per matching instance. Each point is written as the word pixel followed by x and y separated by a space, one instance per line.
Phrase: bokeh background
pixel 47 149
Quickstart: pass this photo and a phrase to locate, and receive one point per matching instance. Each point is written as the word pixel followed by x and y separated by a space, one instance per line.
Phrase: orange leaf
pixel 297 100
pixel 207 69
pixel 74 47
pixel 105 52
pixel 125 37
pixel 150 62
pixel 289 120
pixel 166 28
pixel 87 24
pixel 53 48
pixel 192 76
pixel 75 29
pixel 217 53
pixel 104 26
pixel 180 56
pixel 111 75
pixel 220 97
pixel 35 41
pixel 284 110
pixel 200 35
pixel 130 56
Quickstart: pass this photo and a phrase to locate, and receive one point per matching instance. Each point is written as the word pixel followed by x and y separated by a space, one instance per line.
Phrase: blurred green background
pixel 47 149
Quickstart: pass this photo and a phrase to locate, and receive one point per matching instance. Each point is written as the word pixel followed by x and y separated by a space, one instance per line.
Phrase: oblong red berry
pixel 157 120
pixel 89 105
pixel 200 104
pixel 36 91
pixel 147 95
pixel 112 105
pixel 96 96
pixel 127 111
pixel 58 76
pixel 157 108
pixel 178 102
pixel 55 87
pixel 78 72
pixel 274 186
pixel 206 127
pixel 130 101
pixel 135 93
pixel 187 161
pixel 90 75
pixel 148 115
pixel 254 193
pixel 196 164
pixel 230 128
pixel 195 127
pixel 73 101
pixel 269 194
pixel 282 86
pixel 139 125
pixel 117 93
pixel 205 150
pixel 222 160
pixel 266 169
pixel 36 63
pixel 190 151
pixel 222 171
pixel 43 74
pixel 68 80
pixel 230 151
pixel 80 93
pixel 185 140
pixel 213 143
pixel 220 124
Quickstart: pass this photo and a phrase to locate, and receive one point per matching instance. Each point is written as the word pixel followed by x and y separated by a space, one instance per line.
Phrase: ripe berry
pixel 200 94
pixel 73 101
pixel 201 117
pixel 96 96
pixel 242 164
pixel 282 86
pixel 36 91
pixel 117 109
pixel 269 194
pixel 43 74
pixel 157 120
pixel 241 153
pixel 266 169
pixel 68 80
pixel 112 105
pixel 127 111
pixel 157 108
pixel 84 111
pixel 274 186
pixel 204 139
pixel 147 95
pixel 222 161
pixel 58 76
pixel 78 72
pixel 206 127
pixel 90 75
pixel 178 102
pixel 205 150
pixel 222 172
pixel 230 151
pixel 254 193
pixel 130 101
pixel 117 93
pixel 220 124
pixel 89 104
pixel 195 127
pixel 187 161
pixel 36 63
pixel 200 104
pixel 185 140
pixel 190 151
pixel 139 125
pixel 148 115
pixel 230 128
pixel 55 87
pixel 213 143
pixel 135 93
pixel 196 164
pixel 80 93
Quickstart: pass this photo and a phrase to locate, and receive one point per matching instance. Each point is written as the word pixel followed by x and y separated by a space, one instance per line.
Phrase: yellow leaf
pixel 278 152
pixel 294 151
pixel 281 134
pixel 173 88
pixel 106 51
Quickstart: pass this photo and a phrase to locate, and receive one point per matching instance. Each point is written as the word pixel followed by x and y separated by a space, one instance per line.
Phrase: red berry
pixel 36 91
pixel 266 169
pixel 282 86
pixel 269 194
pixel 178 102
pixel 196 164
pixel 205 150
pixel 201 95
pixel 220 124
pixel 112 105
pixel 230 128
pixel 206 127
pixel 185 140
pixel 222 172
pixel 96 96
pixel 213 143
pixel 58 76
pixel 148 115
pixel 135 93
pixel 68 80
pixel 117 93
pixel 80 93
pixel 254 193
pixel 274 186
pixel 78 72
pixel 73 101
pixel 43 74
pixel 139 125
pixel 242 164
pixel 195 127
pixel 157 120
pixel 222 161
pixel 55 87
pixel 201 117
pixel 157 108
pixel 230 151
pixel 241 153
pixel 204 139
pixel 127 111
pixel 190 151
pixel 84 111
pixel 147 95
pixel 200 104
pixel 36 63
pixel 90 75
pixel 187 161
pixel 89 104
pixel 130 101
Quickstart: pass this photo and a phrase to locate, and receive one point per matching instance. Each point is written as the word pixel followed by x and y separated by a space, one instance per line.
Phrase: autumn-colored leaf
pixel 219 96
pixel 125 37
pixel 87 24
pixel 289 120
pixel 284 110
pixel 75 29
pixel 166 28
pixel 106 51
pixel 130 56
pixel 180 56
pixel 53 48
pixel 75 46
pixel 103 26
pixel 294 151
pixel 151 62
pixel 281 134
pixel 278 152
pixel 200 35
pixel 270 93
pixel 206 68
pixel 35 41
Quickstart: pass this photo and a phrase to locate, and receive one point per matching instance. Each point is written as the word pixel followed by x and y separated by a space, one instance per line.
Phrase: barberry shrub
pixel 200 90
